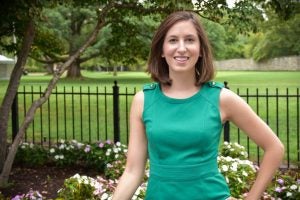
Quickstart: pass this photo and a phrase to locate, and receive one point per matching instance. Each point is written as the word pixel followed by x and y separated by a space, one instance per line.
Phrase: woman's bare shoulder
pixel 139 97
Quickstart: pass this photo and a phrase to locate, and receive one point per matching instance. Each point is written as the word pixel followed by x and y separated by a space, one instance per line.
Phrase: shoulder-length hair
pixel 157 65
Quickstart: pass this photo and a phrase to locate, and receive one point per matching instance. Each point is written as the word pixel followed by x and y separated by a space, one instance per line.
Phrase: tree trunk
pixel 74 71
pixel 49 68
pixel 115 71
pixel 12 88
pixel 36 104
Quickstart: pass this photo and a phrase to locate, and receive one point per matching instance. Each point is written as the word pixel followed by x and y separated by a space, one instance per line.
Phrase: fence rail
pixel 92 114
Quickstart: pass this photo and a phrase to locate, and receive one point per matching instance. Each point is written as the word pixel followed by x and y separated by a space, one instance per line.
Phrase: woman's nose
pixel 181 46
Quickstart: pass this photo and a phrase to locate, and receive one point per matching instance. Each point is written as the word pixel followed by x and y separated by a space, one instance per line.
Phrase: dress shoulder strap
pixel 150 94
pixel 150 86
pixel 215 84
pixel 211 92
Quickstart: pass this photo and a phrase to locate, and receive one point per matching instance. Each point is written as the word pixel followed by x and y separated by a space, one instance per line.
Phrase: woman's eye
pixel 172 40
pixel 190 40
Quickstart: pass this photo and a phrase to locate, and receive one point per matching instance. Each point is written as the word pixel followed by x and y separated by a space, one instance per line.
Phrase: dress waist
pixel 184 172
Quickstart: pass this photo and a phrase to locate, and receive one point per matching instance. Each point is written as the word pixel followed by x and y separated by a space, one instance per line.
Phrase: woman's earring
pixel 197 71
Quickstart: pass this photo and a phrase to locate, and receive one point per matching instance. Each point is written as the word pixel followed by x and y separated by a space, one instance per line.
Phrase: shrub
pixel 110 158
pixel 31 195
pixel 31 155
pixel 82 187
pixel 285 186
pixel 233 150
pixel 237 170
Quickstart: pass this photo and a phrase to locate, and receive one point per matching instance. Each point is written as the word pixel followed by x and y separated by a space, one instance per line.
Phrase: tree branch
pixel 37 103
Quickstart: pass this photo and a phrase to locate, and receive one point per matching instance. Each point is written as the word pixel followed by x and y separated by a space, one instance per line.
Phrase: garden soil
pixel 45 179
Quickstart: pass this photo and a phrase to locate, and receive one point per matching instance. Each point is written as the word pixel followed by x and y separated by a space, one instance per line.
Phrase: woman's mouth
pixel 181 58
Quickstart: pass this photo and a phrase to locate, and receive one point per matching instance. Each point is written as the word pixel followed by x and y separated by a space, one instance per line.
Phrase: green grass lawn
pixel 239 81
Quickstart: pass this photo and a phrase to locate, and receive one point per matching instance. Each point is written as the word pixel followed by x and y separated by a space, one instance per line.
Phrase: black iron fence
pixel 101 113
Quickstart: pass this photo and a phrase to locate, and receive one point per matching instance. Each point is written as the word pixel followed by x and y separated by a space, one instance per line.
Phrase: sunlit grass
pixel 255 82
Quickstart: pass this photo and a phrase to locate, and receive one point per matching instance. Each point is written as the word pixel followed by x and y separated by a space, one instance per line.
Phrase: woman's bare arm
pixel 236 110
pixel 137 153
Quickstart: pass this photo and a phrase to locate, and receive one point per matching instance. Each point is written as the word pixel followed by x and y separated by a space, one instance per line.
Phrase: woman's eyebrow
pixel 188 35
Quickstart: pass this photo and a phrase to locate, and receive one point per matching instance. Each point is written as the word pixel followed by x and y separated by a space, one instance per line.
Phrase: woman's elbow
pixel 278 149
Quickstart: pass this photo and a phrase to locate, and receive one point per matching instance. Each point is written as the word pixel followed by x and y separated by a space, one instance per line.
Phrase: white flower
pixel 118 144
pixel 117 156
pixel 79 145
pixel 56 157
pixel 116 150
pixel 224 168
pixel 245 173
pixel 288 194
pixel 109 165
pixel 239 180
pixel 61 157
pixel 77 176
pixel 227 180
pixel 52 150
pixel 86 181
pixel 234 166
pixel 62 146
pixel 104 196
pixel 293 187
pixel 62 141
pixel 228 158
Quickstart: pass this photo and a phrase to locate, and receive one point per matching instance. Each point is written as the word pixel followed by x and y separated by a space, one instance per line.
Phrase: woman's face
pixel 181 47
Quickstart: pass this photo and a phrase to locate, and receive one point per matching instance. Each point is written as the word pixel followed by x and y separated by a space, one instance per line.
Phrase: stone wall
pixel 290 63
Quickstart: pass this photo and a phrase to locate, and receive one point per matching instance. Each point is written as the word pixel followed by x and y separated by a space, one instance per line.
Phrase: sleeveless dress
pixel 183 139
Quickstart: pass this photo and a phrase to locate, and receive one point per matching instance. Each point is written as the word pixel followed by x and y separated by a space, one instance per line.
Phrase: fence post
pixel 15 117
pixel 116 112
pixel 226 125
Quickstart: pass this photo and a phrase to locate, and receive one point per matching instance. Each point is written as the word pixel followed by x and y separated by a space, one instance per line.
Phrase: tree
pixel 284 10
pixel 277 38
pixel 69 25
pixel 16 19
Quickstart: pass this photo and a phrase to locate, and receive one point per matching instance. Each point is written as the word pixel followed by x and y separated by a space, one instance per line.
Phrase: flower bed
pixel 109 159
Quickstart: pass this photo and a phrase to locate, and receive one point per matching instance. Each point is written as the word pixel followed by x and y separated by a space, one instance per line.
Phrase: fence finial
pixel 226 84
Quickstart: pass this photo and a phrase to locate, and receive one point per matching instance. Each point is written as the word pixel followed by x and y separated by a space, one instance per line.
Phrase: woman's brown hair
pixel 157 65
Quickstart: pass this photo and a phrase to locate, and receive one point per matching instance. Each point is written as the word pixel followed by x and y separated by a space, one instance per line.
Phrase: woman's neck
pixel 181 87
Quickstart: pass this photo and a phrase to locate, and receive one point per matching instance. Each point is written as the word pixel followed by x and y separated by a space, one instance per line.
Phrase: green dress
pixel 183 138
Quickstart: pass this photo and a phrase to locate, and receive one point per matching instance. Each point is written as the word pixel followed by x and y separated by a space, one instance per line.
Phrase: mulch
pixel 45 179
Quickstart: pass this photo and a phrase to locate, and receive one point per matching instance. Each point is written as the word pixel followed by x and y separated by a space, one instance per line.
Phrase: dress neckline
pixel 181 100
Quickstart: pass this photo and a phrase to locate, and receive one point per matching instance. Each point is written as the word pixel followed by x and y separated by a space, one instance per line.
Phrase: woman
pixel 177 121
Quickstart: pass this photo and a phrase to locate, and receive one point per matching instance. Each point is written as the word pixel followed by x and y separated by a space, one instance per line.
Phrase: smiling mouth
pixel 181 58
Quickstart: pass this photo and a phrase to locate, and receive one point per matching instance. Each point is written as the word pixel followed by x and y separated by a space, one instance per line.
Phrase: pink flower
pixel 280 181
pixel 101 145
pixel 18 197
pixel 108 142
pixel 87 149
pixel 278 189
